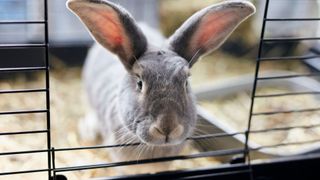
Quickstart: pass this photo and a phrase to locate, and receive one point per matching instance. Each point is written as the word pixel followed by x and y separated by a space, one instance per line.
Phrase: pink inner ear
pixel 213 27
pixel 105 24
pixel 109 27
pixel 210 26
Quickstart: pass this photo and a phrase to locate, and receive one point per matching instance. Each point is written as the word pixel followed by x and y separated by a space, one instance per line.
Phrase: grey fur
pixel 162 114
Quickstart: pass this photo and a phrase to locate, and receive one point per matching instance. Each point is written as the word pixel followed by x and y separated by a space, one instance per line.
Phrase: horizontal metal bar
pixel 23 152
pixel 292 19
pixel 218 135
pixel 305 57
pixel 22 91
pixel 285 144
pixel 22 69
pixel 22 22
pixel 155 160
pixel 22 45
pixel 96 147
pixel 290 39
pixel 23 172
pixel 285 128
pixel 271 169
pixel 23 132
pixel 23 112
pixel 186 173
pixel 285 112
pixel 315 50
pixel 288 76
pixel 238 174
pixel 286 94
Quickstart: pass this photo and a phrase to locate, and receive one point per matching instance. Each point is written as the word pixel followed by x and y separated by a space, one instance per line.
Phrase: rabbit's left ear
pixel 206 30
pixel 113 27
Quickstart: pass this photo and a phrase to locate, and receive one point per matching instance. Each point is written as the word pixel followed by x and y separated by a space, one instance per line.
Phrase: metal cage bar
pixel 247 169
pixel 154 160
pixel 45 46
pixel 254 88
pixel 46 41
pixel 257 79
pixel 215 153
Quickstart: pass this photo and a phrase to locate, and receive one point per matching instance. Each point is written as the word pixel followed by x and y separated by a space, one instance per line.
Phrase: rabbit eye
pixel 139 85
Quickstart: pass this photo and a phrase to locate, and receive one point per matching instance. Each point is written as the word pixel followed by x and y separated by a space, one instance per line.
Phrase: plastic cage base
pixel 302 167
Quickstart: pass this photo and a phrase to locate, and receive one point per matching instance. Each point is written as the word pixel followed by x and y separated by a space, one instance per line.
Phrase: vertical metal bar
pixel 46 39
pixel 53 163
pixel 247 151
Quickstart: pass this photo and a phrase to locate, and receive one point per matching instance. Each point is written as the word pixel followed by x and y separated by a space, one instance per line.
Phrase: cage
pixel 242 158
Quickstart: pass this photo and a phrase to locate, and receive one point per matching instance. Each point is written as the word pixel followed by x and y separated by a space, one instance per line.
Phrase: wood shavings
pixel 234 111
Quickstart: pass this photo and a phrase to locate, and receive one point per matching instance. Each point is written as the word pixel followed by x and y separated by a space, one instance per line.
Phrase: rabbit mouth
pixel 162 142
pixel 155 136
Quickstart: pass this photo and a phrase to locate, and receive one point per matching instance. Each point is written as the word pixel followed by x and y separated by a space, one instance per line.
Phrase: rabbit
pixel 137 80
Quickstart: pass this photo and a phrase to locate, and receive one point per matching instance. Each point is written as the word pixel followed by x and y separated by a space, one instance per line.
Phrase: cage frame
pixel 295 167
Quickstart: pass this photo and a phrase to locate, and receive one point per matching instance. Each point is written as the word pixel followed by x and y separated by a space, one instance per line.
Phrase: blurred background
pixel 233 63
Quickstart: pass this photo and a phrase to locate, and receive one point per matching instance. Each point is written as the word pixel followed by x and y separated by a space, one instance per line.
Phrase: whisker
pixel 152 151
pixel 140 148
pixel 199 131
pixel 194 57
pixel 127 141
pixel 206 144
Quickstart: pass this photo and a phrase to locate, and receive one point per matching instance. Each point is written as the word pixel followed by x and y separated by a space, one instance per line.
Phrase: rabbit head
pixel 155 98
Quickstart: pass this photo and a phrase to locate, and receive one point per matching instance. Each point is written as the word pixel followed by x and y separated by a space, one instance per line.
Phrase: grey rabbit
pixel 147 98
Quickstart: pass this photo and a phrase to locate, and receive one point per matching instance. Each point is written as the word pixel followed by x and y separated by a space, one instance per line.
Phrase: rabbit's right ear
pixel 111 26
pixel 206 30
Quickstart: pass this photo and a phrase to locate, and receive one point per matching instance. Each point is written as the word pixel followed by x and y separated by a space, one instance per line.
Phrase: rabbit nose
pixel 168 134
pixel 158 132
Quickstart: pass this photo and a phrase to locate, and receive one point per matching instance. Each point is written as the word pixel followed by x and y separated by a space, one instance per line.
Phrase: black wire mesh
pixel 258 78
pixel 45 47
pixel 246 170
